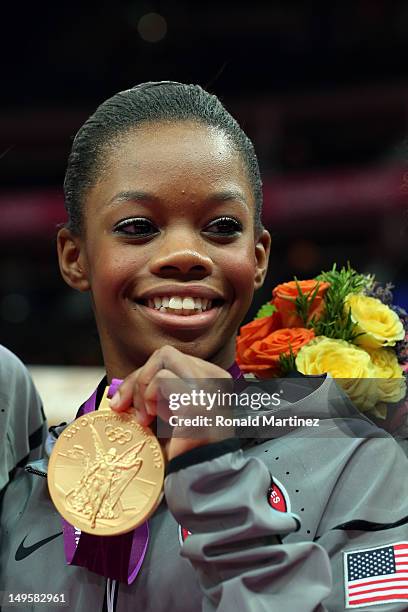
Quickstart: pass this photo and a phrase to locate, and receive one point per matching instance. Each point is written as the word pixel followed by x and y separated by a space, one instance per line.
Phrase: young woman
pixel 164 199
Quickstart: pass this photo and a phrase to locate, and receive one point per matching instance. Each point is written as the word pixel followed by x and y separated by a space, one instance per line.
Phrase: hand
pixel 141 391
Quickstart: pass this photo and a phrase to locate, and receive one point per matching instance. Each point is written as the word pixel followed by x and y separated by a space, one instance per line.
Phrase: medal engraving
pixel 118 434
pixel 106 472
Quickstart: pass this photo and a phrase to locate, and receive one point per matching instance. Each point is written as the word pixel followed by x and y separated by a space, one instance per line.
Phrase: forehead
pixel 179 154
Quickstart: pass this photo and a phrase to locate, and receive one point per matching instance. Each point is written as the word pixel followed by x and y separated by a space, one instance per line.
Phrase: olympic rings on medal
pixel 118 434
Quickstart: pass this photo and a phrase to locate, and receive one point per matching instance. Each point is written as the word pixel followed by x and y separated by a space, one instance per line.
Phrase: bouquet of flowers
pixel 342 323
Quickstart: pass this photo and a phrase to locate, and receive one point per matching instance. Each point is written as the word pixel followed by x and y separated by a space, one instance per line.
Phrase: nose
pixel 180 254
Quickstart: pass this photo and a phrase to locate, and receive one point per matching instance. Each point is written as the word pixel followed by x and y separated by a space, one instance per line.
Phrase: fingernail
pixel 115 400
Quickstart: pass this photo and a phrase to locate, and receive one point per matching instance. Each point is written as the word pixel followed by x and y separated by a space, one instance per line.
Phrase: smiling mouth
pixel 185 306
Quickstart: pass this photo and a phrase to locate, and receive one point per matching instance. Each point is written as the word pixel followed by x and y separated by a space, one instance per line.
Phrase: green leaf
pixel 287 362
pixel 265 311
pixel 304 301
pixel 335 323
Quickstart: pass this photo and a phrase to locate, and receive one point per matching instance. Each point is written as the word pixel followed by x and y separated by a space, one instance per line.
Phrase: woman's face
pixel 170 216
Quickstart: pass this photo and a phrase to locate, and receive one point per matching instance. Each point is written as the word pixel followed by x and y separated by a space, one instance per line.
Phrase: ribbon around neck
pixel 116 557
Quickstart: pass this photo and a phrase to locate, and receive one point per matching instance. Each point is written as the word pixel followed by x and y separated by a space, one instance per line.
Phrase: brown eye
pixel 137 227
pixel 224 226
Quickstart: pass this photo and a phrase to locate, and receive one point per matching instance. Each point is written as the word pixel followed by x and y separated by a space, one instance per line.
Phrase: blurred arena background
pixel 321 88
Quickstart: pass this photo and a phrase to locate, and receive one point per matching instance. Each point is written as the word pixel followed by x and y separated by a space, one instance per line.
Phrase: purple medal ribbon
pixel 117 557
pixel 236 372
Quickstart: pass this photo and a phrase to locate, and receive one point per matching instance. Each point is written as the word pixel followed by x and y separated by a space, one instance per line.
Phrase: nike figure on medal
pixel 23 551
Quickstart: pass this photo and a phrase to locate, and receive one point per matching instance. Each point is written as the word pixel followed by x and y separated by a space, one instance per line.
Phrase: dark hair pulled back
pixel 148 103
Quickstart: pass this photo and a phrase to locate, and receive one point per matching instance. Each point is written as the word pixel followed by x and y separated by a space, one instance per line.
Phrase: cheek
pixel 240 269
pixel 112 275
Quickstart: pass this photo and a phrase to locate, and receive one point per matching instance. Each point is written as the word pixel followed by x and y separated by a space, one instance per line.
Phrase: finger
pixel 142 417
pixel 156 394
pixel 167 358
pixel 124 396
pixel 130 393
pixel 128 398
pixel 182 365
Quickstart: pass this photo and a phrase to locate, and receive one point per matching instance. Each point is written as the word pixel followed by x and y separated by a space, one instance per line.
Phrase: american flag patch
pixel 376 575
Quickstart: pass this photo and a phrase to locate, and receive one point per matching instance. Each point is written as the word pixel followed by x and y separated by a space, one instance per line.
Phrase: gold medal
pixel 105 473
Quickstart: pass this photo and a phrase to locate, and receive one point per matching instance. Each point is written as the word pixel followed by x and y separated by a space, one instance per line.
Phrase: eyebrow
pixel 227 195
pixel 131 196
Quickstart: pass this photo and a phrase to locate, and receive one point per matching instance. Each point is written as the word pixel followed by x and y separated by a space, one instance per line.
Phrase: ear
pixel 72 260
pixel 262 251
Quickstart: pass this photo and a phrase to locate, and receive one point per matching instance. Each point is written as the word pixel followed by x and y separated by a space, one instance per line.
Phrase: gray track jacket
pixel 22 420
pixel 251 549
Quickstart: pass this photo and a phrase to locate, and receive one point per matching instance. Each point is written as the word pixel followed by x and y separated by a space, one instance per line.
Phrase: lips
pixel 181 300
pixel 198 321
pixel 177 305
pixel 181 306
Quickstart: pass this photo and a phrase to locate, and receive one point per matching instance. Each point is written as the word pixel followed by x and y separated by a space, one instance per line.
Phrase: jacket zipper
pixel 32 470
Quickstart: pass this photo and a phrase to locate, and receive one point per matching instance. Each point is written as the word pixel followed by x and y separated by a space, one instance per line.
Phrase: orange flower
pixel 285 294
pixel 261 357
pixel 256 330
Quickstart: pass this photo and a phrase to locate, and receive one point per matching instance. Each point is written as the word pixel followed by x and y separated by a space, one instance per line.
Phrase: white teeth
pixel 179 305
pixel 188 303
pixel 176 302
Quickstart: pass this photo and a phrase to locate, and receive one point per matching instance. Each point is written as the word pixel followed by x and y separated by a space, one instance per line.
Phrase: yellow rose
pixel 389 375
pixel 339 358
pixel 344 361
pixel 385 363
pixel 380 326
